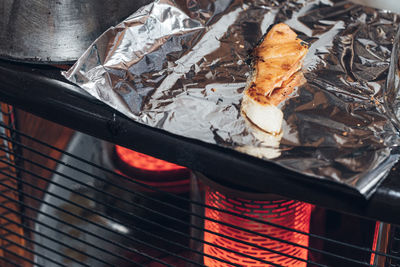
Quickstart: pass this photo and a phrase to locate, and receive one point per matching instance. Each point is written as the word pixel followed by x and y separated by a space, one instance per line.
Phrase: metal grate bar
pixel 20 257
pixel 149 233
pixel 165 215
pixel 56 241
pixel 71 236
pixel 169 194
pixel 218 246
pixel 101 226
pixel 193 202
pixel 30 250
pixel 11 233
pixel 208 243
pixel 182 198
pixel 273 238
pixel 172 230
pixel 83 230
pixel 333 255
pixel 4 259
pixel 206 218
pixel 7 117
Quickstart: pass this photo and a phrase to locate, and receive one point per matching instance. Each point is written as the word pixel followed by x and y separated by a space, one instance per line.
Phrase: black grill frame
pixel 42 90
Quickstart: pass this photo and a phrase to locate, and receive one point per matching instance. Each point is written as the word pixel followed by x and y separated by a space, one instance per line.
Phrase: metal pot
pixel 57 30
pixel 391 5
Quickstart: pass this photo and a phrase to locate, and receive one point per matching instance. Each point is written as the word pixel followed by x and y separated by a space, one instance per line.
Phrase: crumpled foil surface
pixel 182 67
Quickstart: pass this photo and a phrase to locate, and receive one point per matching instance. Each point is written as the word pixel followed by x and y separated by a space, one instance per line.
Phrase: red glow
pixel 374 244
pixel 289 213
pixel 144 162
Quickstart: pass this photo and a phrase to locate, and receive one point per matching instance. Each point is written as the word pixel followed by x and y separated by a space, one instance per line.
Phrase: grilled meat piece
pixel 277 61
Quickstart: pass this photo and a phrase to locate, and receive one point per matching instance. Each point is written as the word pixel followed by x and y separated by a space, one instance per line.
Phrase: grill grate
pixel 13 244
pixel 86 214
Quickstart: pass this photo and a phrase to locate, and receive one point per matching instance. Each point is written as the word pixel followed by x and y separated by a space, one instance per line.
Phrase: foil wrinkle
pixel 183 67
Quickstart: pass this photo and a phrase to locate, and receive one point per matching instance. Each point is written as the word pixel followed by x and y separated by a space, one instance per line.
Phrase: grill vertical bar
pixel 375 242
pixel 15 245
pixel 381 242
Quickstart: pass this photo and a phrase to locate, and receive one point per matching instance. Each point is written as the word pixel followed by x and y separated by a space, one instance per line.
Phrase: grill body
pixel 73 203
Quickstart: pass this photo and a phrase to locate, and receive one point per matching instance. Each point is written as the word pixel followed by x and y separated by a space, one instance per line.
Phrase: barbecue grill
pixel 83 185
pixel 78 202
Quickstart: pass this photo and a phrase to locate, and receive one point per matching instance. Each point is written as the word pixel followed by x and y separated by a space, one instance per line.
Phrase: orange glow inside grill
pixel 289 213
pixel 375 243
pixel 144 162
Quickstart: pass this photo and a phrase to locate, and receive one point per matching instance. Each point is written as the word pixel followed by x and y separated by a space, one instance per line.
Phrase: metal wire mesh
pixel 14 245
pixel 85 214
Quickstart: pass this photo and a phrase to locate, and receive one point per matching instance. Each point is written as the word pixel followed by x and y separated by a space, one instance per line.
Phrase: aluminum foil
pixel 182 67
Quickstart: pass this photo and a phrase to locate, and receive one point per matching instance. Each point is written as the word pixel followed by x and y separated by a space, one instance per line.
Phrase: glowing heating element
pixel 144 162
pixel 151 171
pixel 289 213
pixel 375 242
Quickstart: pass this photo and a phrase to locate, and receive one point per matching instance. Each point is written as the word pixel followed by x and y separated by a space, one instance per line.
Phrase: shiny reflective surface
pixel 57 31
pixel 184 72
pixel 392 5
